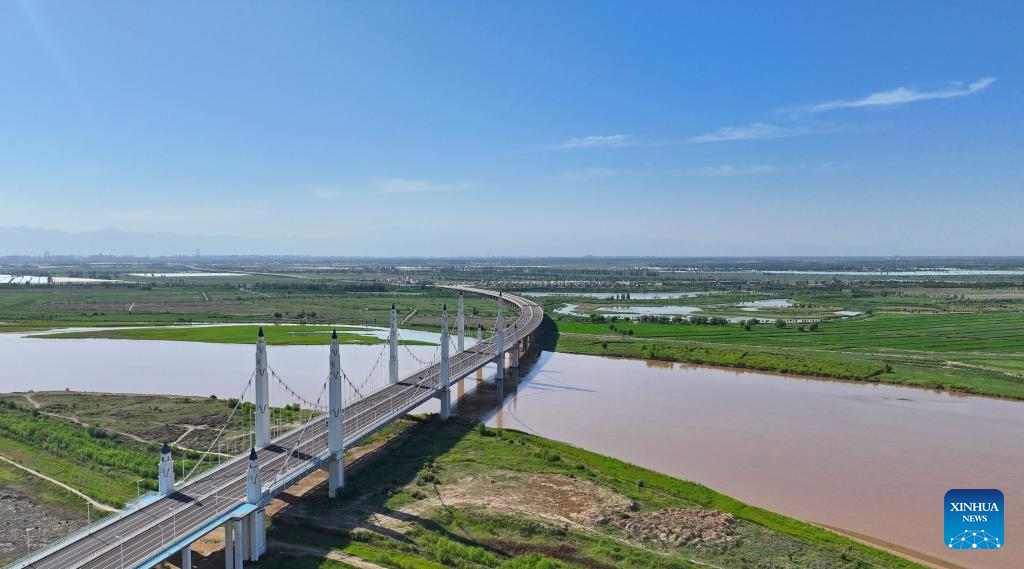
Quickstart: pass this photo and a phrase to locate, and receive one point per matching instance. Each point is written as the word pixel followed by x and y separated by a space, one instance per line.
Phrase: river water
pixel 872 459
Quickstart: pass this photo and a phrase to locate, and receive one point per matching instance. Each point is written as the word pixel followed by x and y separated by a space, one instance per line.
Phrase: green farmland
pixel 298 335
pixel 980 352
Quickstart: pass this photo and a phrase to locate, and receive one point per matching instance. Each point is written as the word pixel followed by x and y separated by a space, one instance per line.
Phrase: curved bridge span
pixel 233 495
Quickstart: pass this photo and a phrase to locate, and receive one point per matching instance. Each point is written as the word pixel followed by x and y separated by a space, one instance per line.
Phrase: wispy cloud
pixel 732 170
pixel 405 186
pixel 326 193
pixel 587 174
pixel 596 141
pixel 758 131
pixel 897 96
pixel 796 126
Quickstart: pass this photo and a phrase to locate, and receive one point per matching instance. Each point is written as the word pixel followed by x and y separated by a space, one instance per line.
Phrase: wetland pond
pixel 871 459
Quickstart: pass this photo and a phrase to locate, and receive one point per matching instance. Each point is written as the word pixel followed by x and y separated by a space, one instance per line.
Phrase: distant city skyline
pixel 512 129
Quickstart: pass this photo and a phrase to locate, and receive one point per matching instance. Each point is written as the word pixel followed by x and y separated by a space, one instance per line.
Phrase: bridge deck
pixel 142 533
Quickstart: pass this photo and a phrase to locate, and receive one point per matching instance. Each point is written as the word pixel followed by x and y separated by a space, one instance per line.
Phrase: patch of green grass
pixel 87 460
pixel 976 353
pixel 438 455
pixel 44 492
pixel 242 334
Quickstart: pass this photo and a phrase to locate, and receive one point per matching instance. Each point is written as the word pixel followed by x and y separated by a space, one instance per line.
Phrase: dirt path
pixel 78 421
pixel 36 473
pixel 188 431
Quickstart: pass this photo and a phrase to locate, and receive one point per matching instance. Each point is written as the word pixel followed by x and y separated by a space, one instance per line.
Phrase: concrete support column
pixel 262 393
pixel 460 324
pixel 243 538
pixel 499 343
pixel 515 355
pixel 186 557
pixel 335 436
pixel 229 547
pixel 444 373
pixel 238 542
pixel 393 347
pixel 257 535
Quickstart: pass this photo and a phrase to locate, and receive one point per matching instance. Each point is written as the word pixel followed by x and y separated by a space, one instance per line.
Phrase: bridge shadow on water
pixel 307 522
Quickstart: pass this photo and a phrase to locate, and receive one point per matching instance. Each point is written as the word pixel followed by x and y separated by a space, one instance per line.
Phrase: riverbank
pixel 459 495
pixel 924 351
pixel 286 335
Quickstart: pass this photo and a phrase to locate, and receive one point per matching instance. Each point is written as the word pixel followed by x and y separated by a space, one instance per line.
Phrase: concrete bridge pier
pixel 186 557
pixel 444 373
pixel 233 537
pixel 335 439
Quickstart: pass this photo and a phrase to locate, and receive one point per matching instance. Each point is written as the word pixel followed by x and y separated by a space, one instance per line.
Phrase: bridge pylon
pixel 499 343
pixel 254 528
pixel 262 393
pixel 335 435
pixel 393 347
pixel 460 324
pixel 515 349
pixel 444 371
pixel 166 476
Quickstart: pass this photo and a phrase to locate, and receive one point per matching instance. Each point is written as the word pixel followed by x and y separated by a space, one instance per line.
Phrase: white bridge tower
pixel 335 441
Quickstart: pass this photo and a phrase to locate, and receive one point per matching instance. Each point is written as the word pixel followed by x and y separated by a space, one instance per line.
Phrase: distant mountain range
pixel 31 241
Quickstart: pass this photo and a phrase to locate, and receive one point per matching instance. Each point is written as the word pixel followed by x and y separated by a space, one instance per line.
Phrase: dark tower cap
pixel 392 306
pixel 334 335
pixel 445 307
pixel 166 449
pixel 261 332
pixel 252 453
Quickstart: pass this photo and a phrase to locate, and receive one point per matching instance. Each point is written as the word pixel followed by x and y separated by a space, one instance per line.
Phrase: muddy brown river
pixel 871 459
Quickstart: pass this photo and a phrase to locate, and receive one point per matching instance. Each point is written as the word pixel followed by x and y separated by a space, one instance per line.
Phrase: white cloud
pixel 587 174
pixel 898 96
pixel 597 141
pixel 754 131
pixel 405 186
pixel 732 170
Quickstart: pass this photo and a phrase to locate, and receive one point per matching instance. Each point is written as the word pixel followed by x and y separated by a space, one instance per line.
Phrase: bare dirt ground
pixel 19 511
pixel 550 497
pixel 681 526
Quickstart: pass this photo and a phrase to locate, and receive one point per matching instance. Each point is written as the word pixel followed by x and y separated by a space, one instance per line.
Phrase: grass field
pixel 298 303
pixel 979 352
pixel 965 336
pixel 275 335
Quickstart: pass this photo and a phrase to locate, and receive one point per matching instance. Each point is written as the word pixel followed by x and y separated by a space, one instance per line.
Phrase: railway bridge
pixel 235 492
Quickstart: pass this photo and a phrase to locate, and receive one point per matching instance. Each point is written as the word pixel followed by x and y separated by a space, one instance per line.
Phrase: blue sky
pixel 523 128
